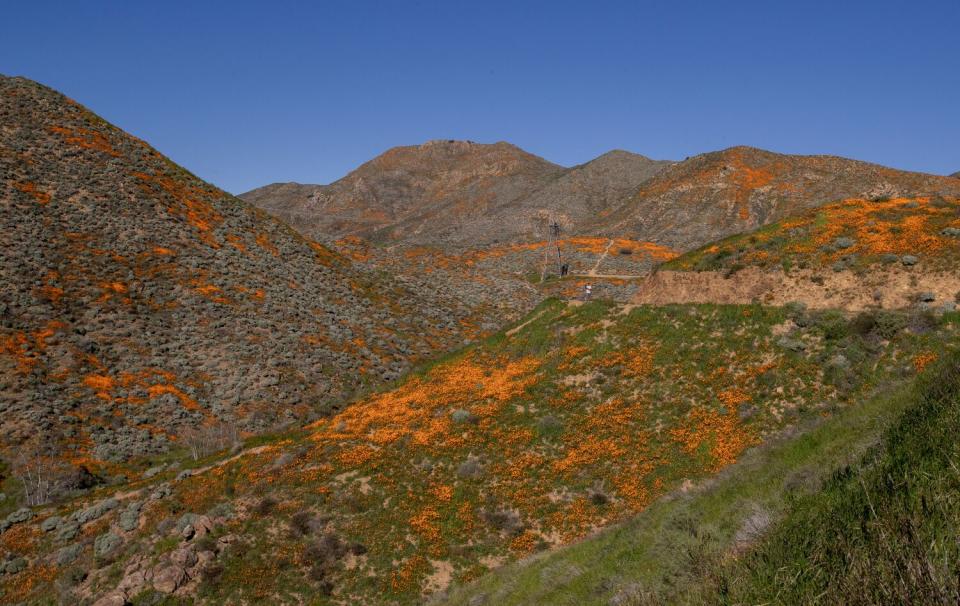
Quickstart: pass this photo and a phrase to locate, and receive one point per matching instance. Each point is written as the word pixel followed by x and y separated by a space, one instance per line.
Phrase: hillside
pixel 407 197
pixel 714 195
pixel 415 193
pixel 854 254
pixel 140 302
pixel 575 420
pixel 956 174
pixel 855 507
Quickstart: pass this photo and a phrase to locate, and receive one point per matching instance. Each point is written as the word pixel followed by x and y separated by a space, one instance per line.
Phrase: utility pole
pixel 555 233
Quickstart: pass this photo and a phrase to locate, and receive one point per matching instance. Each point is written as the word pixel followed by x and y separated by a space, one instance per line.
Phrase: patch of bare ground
pixel 889 288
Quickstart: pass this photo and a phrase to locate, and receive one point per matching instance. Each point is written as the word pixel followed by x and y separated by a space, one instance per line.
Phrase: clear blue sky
pixel 248 93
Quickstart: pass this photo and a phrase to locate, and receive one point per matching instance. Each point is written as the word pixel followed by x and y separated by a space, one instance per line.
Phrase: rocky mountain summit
pixel 139 301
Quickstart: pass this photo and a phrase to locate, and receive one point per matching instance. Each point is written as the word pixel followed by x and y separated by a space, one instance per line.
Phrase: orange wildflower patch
pixel 636 362
pixel 186 401
pixel 525 542
pixel 102 384
pixel 264 242
pixel 87 139
pixel 588 452
pixel 723 434
pixel 26 348
pixel 921 361
pixel 41 197
pixel 190 202
pixel 426 523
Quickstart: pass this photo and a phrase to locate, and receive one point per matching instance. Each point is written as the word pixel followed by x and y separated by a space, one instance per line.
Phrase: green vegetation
pixel 881 531
pixel 853 522
pixel 851 234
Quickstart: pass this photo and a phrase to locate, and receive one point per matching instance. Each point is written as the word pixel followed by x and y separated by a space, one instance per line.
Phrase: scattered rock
pixel 184 556
pixel 113 598
pixel 909 260
pixel 167 579
pixel 153 471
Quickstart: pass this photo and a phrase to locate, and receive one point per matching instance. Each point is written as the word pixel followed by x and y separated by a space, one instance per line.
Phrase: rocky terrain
pixel 853 254
pixel 200 404
pixel 139 301
pixel 574 420
pixel 458 195
pixel 422 193
pixel 714 195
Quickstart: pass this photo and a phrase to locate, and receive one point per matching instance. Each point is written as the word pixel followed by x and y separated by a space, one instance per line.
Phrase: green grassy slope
pixel 679 549
pixel 881 531
pixel 536 438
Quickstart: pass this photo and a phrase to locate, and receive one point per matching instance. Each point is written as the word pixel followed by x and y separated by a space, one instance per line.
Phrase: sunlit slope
pixel 852 233
pixel 579 418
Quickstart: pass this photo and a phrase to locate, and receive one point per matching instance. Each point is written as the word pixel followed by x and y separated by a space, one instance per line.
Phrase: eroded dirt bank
pixel 884 287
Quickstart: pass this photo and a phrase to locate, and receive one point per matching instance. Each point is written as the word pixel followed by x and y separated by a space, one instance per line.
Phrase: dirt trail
pixel 882 287
pixel 596 266
pixel 611 276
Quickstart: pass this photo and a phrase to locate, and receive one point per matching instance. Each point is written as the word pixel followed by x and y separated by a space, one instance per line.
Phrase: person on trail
pixel 587 291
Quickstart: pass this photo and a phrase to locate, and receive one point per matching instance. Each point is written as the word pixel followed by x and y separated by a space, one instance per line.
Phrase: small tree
pixel 209 438
pixel 40 474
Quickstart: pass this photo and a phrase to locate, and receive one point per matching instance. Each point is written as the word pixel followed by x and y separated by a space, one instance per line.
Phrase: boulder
pixel 113 598
pixel 167 579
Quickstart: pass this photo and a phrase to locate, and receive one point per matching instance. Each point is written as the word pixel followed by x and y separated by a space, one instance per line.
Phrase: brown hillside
pixel 138 300
pixel 735 190
pixel 458 193
pixel 410 192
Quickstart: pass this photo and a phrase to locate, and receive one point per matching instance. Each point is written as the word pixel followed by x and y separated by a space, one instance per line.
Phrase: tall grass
pixel 883 531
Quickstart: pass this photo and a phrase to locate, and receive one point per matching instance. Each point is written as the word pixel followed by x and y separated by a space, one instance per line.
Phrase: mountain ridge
pixel 618 195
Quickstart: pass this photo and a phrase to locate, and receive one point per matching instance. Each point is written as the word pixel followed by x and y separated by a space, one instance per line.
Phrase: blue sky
pixel 248 93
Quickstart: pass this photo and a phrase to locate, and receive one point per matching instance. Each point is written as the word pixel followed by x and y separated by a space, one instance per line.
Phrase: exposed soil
pixel 881 287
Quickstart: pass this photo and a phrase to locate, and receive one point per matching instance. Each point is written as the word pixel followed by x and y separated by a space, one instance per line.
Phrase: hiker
pixel 564 270
pixel 587 291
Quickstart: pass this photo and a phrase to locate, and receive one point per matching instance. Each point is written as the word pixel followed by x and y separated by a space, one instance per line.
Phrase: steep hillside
pixel 856 507
pixel 881 531
pixel 578 418
pixel 956 174
pixel 735 190
pixel 854 254
pixel 139 301
pixel 417 193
